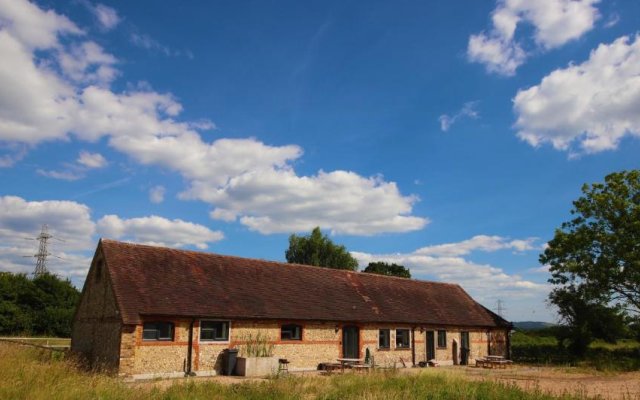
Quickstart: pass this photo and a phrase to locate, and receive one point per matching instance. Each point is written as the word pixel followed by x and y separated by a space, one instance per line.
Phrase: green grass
pixel 537 348
pixel 29 373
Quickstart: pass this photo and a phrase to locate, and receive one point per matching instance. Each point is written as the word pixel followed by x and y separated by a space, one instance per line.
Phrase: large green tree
pixel 594 258
pixel 39 306
pixel 384 268
pixel 317 249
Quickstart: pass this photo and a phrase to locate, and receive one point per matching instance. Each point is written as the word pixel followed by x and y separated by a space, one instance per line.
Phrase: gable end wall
pixel 97 324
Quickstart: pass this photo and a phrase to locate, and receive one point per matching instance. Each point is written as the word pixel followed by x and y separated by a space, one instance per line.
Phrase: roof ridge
pixel 280 263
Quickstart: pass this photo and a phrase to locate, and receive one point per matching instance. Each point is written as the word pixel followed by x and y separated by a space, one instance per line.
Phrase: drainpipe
pixel 188 371
pixel 413 346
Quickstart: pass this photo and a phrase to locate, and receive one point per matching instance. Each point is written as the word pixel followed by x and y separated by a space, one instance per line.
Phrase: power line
pixel 500 308
pixel 43 251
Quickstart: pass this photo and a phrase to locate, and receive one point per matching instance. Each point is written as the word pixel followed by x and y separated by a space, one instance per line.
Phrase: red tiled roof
pixel 150 280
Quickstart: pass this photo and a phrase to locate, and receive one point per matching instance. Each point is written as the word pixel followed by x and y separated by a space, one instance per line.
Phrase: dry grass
pixel 34 374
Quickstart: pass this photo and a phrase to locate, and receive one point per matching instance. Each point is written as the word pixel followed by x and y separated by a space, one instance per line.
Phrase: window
pixel 384 339
pixel 291 332
pixel 403 339
pixel 214 331
pixel 442 339
pixel 157 331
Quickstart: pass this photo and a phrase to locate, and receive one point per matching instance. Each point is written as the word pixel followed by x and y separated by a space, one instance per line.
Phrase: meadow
pixel 541 348
pixel 30 373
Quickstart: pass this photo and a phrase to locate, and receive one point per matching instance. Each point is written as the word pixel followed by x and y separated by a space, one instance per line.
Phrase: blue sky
pixel 451 137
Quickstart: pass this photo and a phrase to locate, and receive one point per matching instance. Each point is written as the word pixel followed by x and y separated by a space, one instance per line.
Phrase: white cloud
pixel 75 234
pixel 69 221
pixel 468 110
pixel 486 283
pixel 592 105
pixel 156 194
pixel 239 177
pixel 62 175
pixel 159 231
pixel 554 22
pixel 91 160
pixel 32 26
pixel 478 243
pixel 279 201
pixel 107 16
pixel 87 62
pixel 148 43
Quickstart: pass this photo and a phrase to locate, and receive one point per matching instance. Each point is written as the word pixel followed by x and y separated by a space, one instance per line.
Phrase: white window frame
pixel 214 341
pixel 395 339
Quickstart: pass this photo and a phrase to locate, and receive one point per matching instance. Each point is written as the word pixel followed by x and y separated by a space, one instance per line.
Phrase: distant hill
pixel 532 325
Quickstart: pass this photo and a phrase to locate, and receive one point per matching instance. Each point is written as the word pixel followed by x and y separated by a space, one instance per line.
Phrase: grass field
pixel 29 373
pixel 538 348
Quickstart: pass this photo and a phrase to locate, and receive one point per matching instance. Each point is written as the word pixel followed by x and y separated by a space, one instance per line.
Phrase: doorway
pixel 431 345
pixel 464 348
pixel 350 342
pixel 454 350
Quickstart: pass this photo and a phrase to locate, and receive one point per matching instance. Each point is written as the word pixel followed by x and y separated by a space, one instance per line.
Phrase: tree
pixel 384 268
pixel 317 249
pixel 42 306
pixel 594 259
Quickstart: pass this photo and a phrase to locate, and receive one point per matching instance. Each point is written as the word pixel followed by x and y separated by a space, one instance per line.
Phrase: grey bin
pixel 229 361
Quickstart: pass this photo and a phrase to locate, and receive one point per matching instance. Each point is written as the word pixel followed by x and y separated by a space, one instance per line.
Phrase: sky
pixel 450 137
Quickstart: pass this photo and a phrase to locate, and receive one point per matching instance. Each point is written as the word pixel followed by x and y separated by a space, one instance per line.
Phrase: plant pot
pixel 256 366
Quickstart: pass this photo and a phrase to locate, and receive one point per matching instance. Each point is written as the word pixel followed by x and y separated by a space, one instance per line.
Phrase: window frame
pixel 444 336
pixel 408 331
pixel 214 340
pixel 172 332
pixel 388 347
pixel 300 329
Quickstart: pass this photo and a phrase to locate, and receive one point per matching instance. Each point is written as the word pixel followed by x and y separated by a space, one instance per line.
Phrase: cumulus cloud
pixel 106 16
pixel 279 201
pixel 156 194
pixel 485 282
pixel 591 106
pixel 69 222
pixel 478 243
pixel 468 110
pixel 554 22
pixel 91 160
pixel 75 232
pixel 159 231
pixel 63 91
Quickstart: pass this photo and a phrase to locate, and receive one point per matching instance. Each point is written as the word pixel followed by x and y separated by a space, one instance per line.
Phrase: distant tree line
pixel 41 306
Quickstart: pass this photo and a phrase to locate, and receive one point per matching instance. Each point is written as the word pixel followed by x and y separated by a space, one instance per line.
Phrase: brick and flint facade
pixel 150 311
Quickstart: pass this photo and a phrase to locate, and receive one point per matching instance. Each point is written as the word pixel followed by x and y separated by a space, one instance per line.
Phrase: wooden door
pixel 350 342
pixel 431 345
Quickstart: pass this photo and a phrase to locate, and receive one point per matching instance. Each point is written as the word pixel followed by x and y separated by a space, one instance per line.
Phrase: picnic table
pixel 493 361
pixel 349 362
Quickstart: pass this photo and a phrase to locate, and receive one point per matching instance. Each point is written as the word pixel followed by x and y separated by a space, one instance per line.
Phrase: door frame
pixel 432 345
pixel 342 341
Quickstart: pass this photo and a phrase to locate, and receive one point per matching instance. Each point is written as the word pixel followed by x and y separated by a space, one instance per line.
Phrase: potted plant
pixel 256 357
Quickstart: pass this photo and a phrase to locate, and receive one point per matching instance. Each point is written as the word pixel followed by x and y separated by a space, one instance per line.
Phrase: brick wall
pixel 321 342
pixel 97 325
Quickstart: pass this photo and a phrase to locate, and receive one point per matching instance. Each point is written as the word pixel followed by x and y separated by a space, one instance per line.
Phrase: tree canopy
pixel 41 306
pixel 594 258
pixel 384 268
pixel 317 249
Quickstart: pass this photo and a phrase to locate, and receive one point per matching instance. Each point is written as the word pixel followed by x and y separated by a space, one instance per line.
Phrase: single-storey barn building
pixel 151 311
